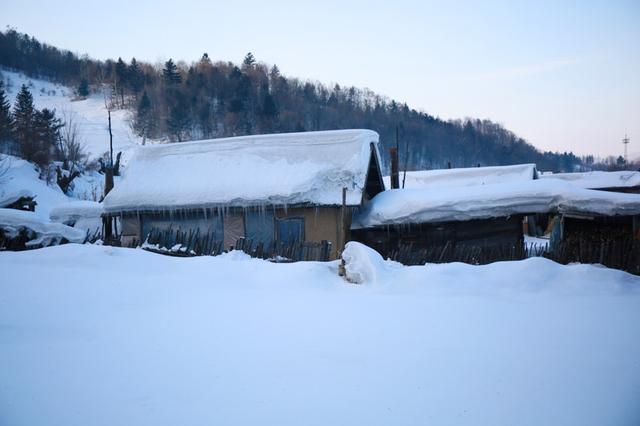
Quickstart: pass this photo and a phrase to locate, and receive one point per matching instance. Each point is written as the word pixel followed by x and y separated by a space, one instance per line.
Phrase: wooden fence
pixel 621 254
pixel 193 243
pixel 450 252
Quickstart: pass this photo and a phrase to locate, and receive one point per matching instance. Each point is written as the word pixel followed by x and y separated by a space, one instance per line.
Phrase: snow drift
pixel 42 233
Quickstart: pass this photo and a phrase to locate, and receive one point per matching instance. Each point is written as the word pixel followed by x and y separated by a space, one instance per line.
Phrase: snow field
pixel 107 336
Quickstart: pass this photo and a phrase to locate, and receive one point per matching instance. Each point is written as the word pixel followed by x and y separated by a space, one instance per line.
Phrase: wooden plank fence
pixel 178 242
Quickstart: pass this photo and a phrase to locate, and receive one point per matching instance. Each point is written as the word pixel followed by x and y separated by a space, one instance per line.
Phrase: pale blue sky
pixel 563 75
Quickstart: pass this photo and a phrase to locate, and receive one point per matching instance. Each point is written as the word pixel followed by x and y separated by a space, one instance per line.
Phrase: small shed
pixel 271 190
pixel 606 231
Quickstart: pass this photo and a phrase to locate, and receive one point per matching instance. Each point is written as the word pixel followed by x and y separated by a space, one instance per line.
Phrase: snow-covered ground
pixel 93 335
pixel 22 176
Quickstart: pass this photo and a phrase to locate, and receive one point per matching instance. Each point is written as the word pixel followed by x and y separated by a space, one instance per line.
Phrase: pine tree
pixel 24 114
pixel 144 116
pixel 6 119
pixel 83 88
pixel 136 77
pixel 121 79
pixel 269 107
pixel 47 129
pixel 170 74
pixel 249 61
pixel 178 120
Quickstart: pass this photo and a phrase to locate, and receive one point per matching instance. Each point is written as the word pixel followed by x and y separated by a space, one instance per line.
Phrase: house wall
pixel 130 230
pixel 486 234
pixel 320 223
pixel 611 241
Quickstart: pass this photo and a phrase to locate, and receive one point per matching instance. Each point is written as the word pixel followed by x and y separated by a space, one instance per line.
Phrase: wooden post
pixel 395 172
pixel 110 140
pixel 342 227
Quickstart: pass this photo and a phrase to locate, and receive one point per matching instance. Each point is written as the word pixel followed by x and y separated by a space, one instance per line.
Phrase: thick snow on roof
pixel 12 221
pixel 599 180
pixel 288 168
pixel 75 210
pixel 469 176
pixel 482 202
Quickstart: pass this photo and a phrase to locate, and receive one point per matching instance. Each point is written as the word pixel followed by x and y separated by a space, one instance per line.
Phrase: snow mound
pixel 12 222
pixel 22 178
pixel 10 197
pixel 363 264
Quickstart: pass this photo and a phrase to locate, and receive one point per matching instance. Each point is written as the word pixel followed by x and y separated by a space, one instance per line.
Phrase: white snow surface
pixel 22 177
pixel 82 214
pixel 10 197
pixel 362 264
pixel 90 114
pixel 287 168
pixel 598 179
pixel 468 176
pixel 75 210
pixel 96 335
pixel 11 221
pixel 400 206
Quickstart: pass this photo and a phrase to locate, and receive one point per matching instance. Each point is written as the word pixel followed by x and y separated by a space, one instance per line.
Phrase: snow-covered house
pixel 486 216
pixel 438 208
pixel 266 188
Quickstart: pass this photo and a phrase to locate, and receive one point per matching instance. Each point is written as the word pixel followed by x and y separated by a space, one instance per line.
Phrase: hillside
pixel 89 115
pixel 206 99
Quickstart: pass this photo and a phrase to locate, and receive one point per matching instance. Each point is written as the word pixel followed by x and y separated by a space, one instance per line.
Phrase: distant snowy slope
pixel 90 114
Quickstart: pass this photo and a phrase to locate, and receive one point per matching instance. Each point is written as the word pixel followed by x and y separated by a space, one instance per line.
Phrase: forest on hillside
pixel 180 101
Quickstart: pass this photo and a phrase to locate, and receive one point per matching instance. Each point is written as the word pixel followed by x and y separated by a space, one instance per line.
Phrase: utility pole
pixel 625 142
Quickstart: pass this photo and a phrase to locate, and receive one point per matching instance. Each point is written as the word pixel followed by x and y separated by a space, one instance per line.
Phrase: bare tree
pixel 5 166
pixel 71 149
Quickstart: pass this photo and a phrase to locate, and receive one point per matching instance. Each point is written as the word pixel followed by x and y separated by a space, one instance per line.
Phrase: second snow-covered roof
pixel 287 168
pixel 598 179
pixel 469 176
pixel 407 206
